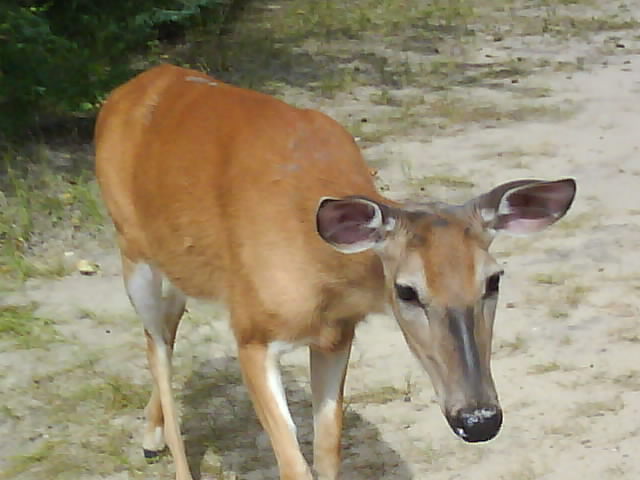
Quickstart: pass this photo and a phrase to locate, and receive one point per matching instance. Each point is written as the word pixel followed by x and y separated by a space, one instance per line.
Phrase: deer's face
pixel 444 288
pixel 443 283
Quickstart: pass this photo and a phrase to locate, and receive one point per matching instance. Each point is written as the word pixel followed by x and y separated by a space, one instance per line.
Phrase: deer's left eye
pixel 407 293
pixel 492 285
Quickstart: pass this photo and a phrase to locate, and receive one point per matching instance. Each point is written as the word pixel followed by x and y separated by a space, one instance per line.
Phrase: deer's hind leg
pixel 160 313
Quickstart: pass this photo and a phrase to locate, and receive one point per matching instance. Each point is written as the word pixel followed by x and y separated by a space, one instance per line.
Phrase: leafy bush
pixel 62 56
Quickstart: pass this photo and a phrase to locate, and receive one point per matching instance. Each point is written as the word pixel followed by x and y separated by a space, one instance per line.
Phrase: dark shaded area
pixel 252 54
pixel 218 416
pixel 58 58
pixel 241 46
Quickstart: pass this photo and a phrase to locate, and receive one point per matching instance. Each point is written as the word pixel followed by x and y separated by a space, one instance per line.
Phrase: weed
pixel 576 294
pixel 629 380
pixel 628 334
pixel 25 462
pixel 20 326
pixel 378 396
pixel 542 368
pixel 556 311
pixel 449 181
pixel 38 202
pixel 548 279
pixel 98 454
pixel 384 97
pixel 598 408
pixel 455 110
pixel 113 393
pixel 565 341
pixel 7 412
pixel 518 344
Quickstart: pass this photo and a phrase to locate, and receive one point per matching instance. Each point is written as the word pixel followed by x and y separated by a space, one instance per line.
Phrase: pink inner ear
pixel 526 225
pixel 345 222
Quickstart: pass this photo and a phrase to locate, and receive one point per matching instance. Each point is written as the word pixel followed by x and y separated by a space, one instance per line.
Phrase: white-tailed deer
pixel 223 193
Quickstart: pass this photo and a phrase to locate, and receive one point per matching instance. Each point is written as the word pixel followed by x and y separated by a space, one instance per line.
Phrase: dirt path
pixel 567 336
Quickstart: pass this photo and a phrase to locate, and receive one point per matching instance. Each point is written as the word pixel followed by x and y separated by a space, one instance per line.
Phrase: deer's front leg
pixel 261 372
pixel 328 372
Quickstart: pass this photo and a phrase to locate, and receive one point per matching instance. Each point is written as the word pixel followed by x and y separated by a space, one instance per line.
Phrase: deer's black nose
pixel 476 424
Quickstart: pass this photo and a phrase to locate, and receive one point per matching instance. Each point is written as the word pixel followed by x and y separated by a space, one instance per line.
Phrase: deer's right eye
pixel 407 294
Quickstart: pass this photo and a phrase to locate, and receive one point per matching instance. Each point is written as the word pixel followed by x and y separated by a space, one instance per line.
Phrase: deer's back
pixel 218 187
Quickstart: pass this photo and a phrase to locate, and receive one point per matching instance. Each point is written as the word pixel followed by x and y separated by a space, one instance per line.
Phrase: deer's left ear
pixel 353 224
pixel 525 206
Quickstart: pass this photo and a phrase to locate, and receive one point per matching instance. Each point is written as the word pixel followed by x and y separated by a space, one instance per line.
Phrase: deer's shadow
pixel 218 416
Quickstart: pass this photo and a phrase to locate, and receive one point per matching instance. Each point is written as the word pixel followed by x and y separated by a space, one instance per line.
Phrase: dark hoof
pixel 152 456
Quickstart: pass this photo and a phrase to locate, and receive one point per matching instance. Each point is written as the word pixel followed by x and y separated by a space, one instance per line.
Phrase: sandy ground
pixel 567 342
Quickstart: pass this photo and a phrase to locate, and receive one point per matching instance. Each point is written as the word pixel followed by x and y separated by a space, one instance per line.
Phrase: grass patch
pixel 112 392
pixel 543 368
pixel 426 182
pixel 549 279
pixel 576 26
pixel 628 334
pixel 518 344
pixel 84 389
pixel 576 294
pixel 37 202
pixel 598 408
pixel 21 327
pixel 90 414
pixel 378 396
pixel 629 381
pixel 311 44
pixel 100 454
pixel 558 312
pixel 333 19
pixel 449 181
pixel 456 110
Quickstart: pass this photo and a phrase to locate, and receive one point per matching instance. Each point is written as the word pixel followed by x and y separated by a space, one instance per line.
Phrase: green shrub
pixel 60 57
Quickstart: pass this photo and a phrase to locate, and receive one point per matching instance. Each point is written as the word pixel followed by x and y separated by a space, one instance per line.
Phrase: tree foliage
pixel 62 56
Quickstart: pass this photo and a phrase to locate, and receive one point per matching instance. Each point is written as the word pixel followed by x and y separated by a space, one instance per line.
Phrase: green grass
pixel 91 415
pixel 21 327
pixel 549 279
pixel 112 393
pixel 37 202
pixel 378 396
pixel 597 408
pixel 629 380
pixel 576 294
pixel 331 19
pixel 456 110
pixel 542 368
pixel 558 312
pixel 450 181
pixel 99 454
pixel 518 344
pixel 310 44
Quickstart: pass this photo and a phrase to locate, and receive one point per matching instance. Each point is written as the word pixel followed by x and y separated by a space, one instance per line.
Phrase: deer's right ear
pixel 526 206
pixel 353 224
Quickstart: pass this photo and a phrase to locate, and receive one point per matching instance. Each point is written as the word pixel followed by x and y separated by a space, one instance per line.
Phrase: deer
pixel 223 193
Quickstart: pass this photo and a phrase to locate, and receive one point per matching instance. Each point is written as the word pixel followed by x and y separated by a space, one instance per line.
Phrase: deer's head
pixel 443 283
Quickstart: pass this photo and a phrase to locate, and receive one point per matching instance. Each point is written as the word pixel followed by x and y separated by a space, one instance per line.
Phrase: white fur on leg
pixel 274 379
pixel 154 440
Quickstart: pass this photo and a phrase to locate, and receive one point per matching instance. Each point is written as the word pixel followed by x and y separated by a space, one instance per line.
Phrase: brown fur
pixel 194 191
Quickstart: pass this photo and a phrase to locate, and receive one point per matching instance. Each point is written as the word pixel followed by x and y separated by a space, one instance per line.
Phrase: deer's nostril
pixel 476 424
